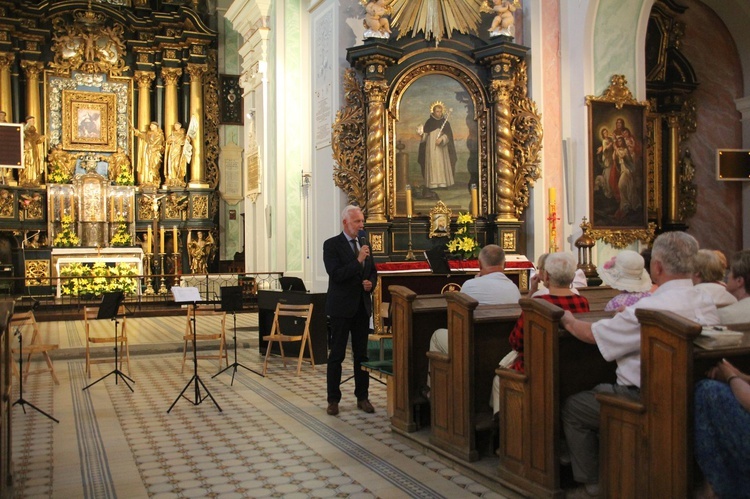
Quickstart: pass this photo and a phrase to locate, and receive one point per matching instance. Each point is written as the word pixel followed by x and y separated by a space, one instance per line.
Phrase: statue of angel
pixel 376 25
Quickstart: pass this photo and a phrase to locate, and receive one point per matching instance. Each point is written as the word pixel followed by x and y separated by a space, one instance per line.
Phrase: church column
pixel 196 109
pixel 32 70
pixel 6 96
pixel 375 91
pixel 143 79
pixel 171 77
pixel 674 220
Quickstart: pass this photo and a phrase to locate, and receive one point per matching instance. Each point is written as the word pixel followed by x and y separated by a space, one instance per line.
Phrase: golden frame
pixel 89 121
pixel 440 220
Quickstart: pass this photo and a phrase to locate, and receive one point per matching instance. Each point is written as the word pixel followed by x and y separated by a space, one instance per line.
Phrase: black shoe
pixel 366 406
pixel 333 409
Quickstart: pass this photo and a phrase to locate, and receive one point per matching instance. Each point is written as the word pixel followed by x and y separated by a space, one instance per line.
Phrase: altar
pixel 62 257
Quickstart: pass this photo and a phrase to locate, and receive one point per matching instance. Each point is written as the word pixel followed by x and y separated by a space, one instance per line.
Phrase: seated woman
pixel 558 274
pixel 708 277
pixel 626 272
pixel 722 431
pixel 536 283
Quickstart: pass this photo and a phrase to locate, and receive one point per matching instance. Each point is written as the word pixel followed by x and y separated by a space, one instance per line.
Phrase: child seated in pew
pixel 722 431
pixel 558 274
pixel 625 272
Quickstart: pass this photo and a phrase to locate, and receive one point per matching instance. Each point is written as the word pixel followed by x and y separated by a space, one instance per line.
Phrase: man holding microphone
pixel 352 278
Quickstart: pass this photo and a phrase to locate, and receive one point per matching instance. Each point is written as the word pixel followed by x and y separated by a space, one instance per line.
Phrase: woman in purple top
pixel 626 272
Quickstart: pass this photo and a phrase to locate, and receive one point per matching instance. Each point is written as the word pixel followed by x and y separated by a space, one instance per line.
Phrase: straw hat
pixel 625 272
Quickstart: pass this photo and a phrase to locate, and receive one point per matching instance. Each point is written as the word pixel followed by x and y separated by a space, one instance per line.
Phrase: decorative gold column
pixel 673 169
pixel 375 91
pixel 143 79
pixel 171 77
pixel 196 71
pixel 505 175
pixel 33 69
pixel 6 97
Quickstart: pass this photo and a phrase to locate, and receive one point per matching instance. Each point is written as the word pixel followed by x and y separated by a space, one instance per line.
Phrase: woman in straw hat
pixel 626 272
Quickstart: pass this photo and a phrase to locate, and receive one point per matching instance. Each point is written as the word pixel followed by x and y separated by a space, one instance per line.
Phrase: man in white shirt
pixel 619 339
pixel 490 287
pixel 738 283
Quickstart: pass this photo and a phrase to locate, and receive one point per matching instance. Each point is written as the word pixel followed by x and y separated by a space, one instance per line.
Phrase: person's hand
pixel 364 252
pixel 534 283
pixel 367 285
pixel 723 370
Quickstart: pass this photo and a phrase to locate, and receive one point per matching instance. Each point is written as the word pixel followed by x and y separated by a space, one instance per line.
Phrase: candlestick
pixel 474 201
pixel 148 240
pixel 174 239
pixel 161 240
pixel 409 208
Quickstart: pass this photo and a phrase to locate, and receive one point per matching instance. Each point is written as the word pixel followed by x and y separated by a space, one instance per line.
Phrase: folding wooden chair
pixel 276 336
pixel 33 347
pixel 205 335
pixel 97 338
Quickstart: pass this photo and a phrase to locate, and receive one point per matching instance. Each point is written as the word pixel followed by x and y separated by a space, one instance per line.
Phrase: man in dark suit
pixel 351 280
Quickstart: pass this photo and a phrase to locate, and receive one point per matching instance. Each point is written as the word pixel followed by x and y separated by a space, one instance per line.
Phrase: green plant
pixel 462 244
pixel 97 279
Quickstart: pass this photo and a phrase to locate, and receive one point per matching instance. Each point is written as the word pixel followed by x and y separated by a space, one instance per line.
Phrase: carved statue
pixel 150 159
pixel 119 162
pixel 504 22
pixel 377 26
pixel 200 252
pixel 175 167
pixel 32 154
pixel 7 173
pixel 62 160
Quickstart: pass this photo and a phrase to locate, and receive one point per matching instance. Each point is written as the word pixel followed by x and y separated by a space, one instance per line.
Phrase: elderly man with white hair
pixel 619 339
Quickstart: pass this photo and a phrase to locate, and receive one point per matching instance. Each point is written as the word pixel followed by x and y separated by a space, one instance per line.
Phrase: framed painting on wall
pixel 618 172
pixel 89 121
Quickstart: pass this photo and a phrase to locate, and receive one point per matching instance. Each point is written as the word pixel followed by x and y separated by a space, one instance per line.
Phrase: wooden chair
pixel 206 334
pixel 300 312
pixel 89 316
pixel 33 347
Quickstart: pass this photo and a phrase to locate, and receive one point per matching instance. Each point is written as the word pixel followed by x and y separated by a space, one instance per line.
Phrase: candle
pixel 174 239
pixel 112 211
pixel 130 203
pixel 409 211
pixel 62 206
pixel 121 212
pixel 148 240
pixel 552 196
pixel 161 240
pixel 474 201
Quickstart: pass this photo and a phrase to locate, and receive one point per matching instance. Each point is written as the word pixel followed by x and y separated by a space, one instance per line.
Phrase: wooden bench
pixel 413 320
pixel 598 296
pixel 462 378
pixel 556 366
pixel 646 446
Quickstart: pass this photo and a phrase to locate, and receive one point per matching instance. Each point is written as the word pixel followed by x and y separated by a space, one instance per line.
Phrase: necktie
pixel 354 246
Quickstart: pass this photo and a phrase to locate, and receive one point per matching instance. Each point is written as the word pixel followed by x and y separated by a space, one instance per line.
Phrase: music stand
pixel 231 301
pixel 437 261
pixel 22 401
pixel 108 310
pixel 191 296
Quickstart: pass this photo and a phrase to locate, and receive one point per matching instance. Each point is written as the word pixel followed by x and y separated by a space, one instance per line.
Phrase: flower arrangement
pixel 121 237
pixel 66 238
pixel 80 279
pixel 462 243
pixel 57 174
pixel 124 178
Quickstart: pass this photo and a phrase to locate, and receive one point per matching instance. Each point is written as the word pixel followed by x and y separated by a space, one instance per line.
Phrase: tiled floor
pixel 271 439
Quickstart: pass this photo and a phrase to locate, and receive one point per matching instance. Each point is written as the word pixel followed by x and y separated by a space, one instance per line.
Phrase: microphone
pixel 362 237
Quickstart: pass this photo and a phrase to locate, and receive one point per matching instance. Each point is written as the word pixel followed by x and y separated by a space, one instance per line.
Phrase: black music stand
pixel 231 301
pixel 108 310
pixel 22 401
pixel 191 296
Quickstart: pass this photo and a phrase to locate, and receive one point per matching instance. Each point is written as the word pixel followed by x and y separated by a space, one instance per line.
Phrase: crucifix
pixel 155 221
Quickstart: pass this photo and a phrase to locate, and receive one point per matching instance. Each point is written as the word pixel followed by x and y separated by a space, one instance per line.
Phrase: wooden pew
pixel 556 365
pixel 462 379
pixel 646 446
pixel 413 320
pixel 598 296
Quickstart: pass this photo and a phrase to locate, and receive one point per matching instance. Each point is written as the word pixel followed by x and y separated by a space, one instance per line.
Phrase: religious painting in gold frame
pixel 89 121
pixel 618 165
pixel 440 220
pixel 412 122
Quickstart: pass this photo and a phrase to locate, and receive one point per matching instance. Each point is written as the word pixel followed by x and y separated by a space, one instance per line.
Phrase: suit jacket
pixel 345 276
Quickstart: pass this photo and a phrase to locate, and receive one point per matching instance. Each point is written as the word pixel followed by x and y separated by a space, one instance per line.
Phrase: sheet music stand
pixel 108 310
pixel 231 301
pixel 191 296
